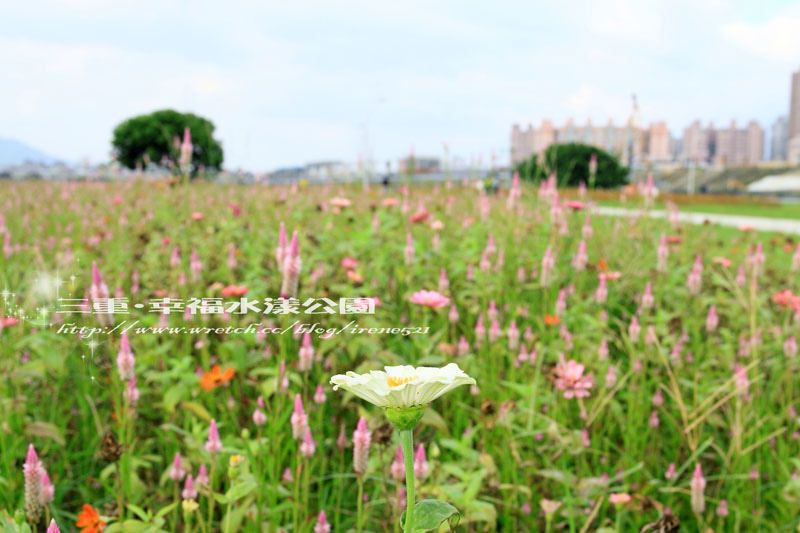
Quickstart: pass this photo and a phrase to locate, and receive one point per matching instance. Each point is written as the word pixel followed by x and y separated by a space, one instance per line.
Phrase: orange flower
pixel 215 378
pixel 234 290
pixel 89 520
pixel 601 265
pixel 552 320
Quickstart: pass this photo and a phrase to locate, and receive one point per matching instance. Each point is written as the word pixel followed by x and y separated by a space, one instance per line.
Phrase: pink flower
pixel 348 263
pixel 722 509
pixel 308 446
pixel 189 492
pixel 306 354
pixel 420 463
pixel 292 264
pixel 361 440
pixel 790 347
pixel 429 299
pixel 186 148
pixel 202 476
pixel 319 395
pixel 570 379
pixel 409 250
pixel 670 473
pixel 48 490
pixel 576 205
pixel 176 473
pixel 299 419
pixel 647 297
pixel 53 527
pixel 697 487
pixel 398 468
pixel 322 525
pixel 547 267
pixel 259 418
pixel 213 444
pixel 712 320
pixel 32 471
pixel 452 316
pixel 125 360
pixel 619 498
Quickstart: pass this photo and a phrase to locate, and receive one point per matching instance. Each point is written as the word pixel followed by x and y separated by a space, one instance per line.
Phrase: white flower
pixel 403 386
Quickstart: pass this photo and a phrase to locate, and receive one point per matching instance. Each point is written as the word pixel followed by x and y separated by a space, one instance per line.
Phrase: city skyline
pixel 289 84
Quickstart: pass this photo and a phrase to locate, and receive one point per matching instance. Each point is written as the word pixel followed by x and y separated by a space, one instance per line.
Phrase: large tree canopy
pixel 152 137
pixel 570 162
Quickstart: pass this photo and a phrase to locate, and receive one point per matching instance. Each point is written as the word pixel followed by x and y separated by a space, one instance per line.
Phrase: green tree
pixel 570 162
pixel 152 137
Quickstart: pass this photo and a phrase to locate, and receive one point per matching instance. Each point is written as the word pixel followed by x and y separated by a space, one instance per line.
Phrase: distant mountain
pixel 13 152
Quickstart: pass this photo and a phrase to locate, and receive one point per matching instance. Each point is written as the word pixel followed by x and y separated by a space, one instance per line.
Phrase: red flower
pixel 89 520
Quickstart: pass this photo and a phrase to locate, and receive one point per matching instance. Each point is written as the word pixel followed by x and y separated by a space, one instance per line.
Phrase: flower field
pixel 168 353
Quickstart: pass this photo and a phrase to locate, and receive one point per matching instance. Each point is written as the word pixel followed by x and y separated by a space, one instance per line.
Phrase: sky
pixel 288 83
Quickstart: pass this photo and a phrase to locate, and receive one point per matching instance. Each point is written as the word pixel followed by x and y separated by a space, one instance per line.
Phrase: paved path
pixel 784 225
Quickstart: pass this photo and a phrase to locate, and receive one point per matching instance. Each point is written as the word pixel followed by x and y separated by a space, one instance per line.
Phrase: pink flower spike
pixel 213 444
pixel 322 525
pixel 53 527
pixel 361 441
pixel 176 473
pixel 189 491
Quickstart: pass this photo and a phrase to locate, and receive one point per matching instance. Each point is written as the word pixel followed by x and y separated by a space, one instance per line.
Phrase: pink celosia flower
pixel 663 254
pixel 670 473
pixel 32 471
pixel 259 418
pixel 306 354
pixel 292 264
pixel 202 476
pixel 299 419
pixel 308 446
pixel 361 440
pixel 189 492
pixel 125 360
pixel 722 509
pixel 570 379
pixel 213 444
pixel 53 527
pixel 176 472
pixel 409 250
pixel 398 468
pixel 790 347
pixel 132 392
pixel 712 320
pixel 452 316
pixel 429 299
pixel 647 297
pixel 322 525
pixel 319 395
pixel 48 490
pixel 697 490
pixel 420 463
pixel 547 267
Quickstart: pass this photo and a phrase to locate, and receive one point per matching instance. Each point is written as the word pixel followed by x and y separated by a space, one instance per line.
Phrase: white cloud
pixel 776 40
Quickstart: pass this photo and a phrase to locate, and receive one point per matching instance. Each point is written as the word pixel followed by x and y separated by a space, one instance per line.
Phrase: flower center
pixel 396 381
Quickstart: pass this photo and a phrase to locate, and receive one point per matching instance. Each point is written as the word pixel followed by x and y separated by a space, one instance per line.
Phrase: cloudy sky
pixel 292 82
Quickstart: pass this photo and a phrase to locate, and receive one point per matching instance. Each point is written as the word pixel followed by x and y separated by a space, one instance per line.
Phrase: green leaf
pixel 429 514
pixel 238 491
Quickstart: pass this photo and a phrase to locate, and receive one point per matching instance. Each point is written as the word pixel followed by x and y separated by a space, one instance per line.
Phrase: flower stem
pixel 407 441
pixel 360 504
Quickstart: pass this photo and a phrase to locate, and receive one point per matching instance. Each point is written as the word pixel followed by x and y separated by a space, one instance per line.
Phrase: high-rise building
pixel 725 147
pixel 697 143
pixel 652 143
pixel 793 128
pixel 658 142
pixel 780 139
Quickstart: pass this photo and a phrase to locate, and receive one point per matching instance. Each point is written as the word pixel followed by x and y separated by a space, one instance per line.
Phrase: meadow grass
pixel 496 451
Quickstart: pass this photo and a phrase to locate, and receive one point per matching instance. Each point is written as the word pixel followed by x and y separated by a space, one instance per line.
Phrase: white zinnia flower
pixel 405 386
